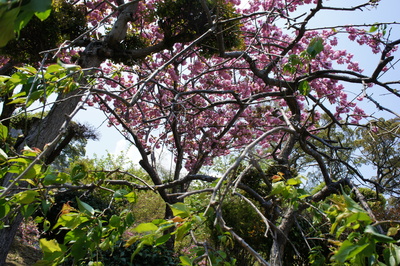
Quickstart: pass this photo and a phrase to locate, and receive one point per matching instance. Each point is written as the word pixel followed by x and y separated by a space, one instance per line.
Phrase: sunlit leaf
pixel 115 221
pixel 161 240
pixel 84 207
pixel 26 197
pixel 304 87
pixel 131 197
pixel 315 47
pixel 4 208
pixel 7 25
pixel 180 209
pixel 377 236
pixel 49 245
pixel 145 227
pixel 185 261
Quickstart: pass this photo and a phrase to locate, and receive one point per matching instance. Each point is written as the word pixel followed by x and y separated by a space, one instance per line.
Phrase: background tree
pixel 379 145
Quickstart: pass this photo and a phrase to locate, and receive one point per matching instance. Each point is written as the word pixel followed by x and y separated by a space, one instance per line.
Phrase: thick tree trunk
pixel 7 236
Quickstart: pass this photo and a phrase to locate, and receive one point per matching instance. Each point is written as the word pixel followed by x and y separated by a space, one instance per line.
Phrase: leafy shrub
pixel 120 255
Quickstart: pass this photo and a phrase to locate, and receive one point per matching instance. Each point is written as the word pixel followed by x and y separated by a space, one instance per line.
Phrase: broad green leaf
pixel 315 47
pixel 4 208
pixel 344 250
pixel 294 181
pixel 23 18
pixel 84 207
pixel 304 87
pixel 115 221
pixel 3 133
pixel 351 204
pixel 393 231
pixel 43 15
pixel 18 101
pixel 40 5
pixel 357 217
pixel 55 68
pixel 70 220
pixel 3 156
pixel 377 236
pixel 131 197
pixel 182 230
pixel 392 255
pixel 277 187
pixel 129 220
pixel 146 227
pixel 49 245
pixel 147 240
pixel 7 25
pixel 185 261
pixel 26 197
pixel 180 209
pixel 120 193
pixel 161 240
pixel 79 248
pixel 373 28
pixel 33 172
pixel 74 235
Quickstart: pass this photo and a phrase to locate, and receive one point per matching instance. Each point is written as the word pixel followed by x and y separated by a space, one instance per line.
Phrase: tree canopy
pixel 255 84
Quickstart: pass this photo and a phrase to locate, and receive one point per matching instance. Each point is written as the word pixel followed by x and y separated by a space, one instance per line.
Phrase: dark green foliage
pixel 66 22
pixel 251 228
pixel 98 202
pixel 148 256
pixel 186 19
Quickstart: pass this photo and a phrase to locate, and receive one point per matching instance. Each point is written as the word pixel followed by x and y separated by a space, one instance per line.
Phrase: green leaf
pixel 180 209
pixel 146 240
pixel 277 187
pixel 315 47
pixel 3 133
pixel 392 255
pixel 345 249
pixel 26 197
pixel 50 246
pixel 40 5
pixel 182 230
pixel 304 87
pixel 7 25
pixel 54 178
pixel 115 221
pixel 120 193
pixel 185 261
pixel 294 181
pixel 79 248
pixel 131 197
pixel 3 156
pixel 146 227
pixel 351 204
pixel 129 220
pixel 43 15
pixel 377 236
pixel 54 68
pixel 161 240
pixel 393 231
pixel 373 28
pixel 84 207
pixel 74 235
pixel 4 208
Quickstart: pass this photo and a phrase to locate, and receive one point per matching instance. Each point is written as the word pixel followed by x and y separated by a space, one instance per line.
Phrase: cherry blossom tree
pixel 208 79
